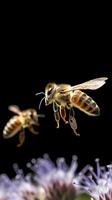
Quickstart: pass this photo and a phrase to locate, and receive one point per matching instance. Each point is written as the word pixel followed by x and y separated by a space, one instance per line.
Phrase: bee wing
pixel 93 84
pixel 14 109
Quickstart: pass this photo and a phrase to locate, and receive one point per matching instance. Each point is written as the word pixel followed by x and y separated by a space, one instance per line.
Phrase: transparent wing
pixel 93 84
pixel 15 109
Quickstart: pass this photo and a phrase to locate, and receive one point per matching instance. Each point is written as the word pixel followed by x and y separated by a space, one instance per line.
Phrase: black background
pixel 33 55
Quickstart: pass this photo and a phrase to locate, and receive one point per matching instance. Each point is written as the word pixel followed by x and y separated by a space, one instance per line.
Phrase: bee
pixel 19 122
pixel 64 96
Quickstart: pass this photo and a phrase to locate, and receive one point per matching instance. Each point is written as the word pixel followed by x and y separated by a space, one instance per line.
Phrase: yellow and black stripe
pixel 85 103
pixel 12 127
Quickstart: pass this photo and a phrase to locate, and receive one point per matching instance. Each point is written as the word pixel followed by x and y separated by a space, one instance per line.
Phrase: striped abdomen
pixel 12 127
pixel 85 103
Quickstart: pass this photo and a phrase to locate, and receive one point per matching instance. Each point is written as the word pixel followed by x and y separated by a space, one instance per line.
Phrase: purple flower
pixel 99 184
pixel 49 181
pixel 19 189
pixel 7 188
pixel 56 180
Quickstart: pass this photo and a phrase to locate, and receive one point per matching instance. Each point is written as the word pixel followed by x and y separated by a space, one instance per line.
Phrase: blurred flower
pixel 99 184
pixel 46 181
pixel 57 180
pixel 7 188
pixel 49 181
pixel 19 189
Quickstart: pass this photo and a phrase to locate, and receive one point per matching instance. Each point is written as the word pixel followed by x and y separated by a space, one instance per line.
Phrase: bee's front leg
pixel 31 128
pixel 63 114
pixel 56 114
pixel 57 118
pixel 21 138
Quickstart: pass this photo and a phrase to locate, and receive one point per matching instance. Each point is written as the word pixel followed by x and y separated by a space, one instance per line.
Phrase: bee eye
pixel 31 114
pixel 50 91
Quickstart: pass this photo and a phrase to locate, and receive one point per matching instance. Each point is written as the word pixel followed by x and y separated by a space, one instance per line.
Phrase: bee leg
pixel 57 118
pixel 31 128
pixel 56 113
pixel 21 138
pixel 72 122
pixel 63 114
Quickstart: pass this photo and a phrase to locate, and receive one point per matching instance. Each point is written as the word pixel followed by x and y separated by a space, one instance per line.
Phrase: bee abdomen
pixel 12 127
pixel 85 103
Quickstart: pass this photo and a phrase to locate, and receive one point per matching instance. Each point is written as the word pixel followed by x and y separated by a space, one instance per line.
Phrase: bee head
pixel 50 90
pixel 33 116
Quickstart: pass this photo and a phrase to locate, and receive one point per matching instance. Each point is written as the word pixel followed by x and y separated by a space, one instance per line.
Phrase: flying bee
pixel 20 121
pixel 64 96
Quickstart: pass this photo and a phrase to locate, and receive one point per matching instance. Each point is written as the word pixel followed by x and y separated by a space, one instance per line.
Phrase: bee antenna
pixel 41 115
pixel 39 93
pixel 41 102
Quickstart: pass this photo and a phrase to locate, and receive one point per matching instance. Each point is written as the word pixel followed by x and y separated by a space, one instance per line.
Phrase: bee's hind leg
pixel 63 114
pixel 21 138
pixel 72 121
